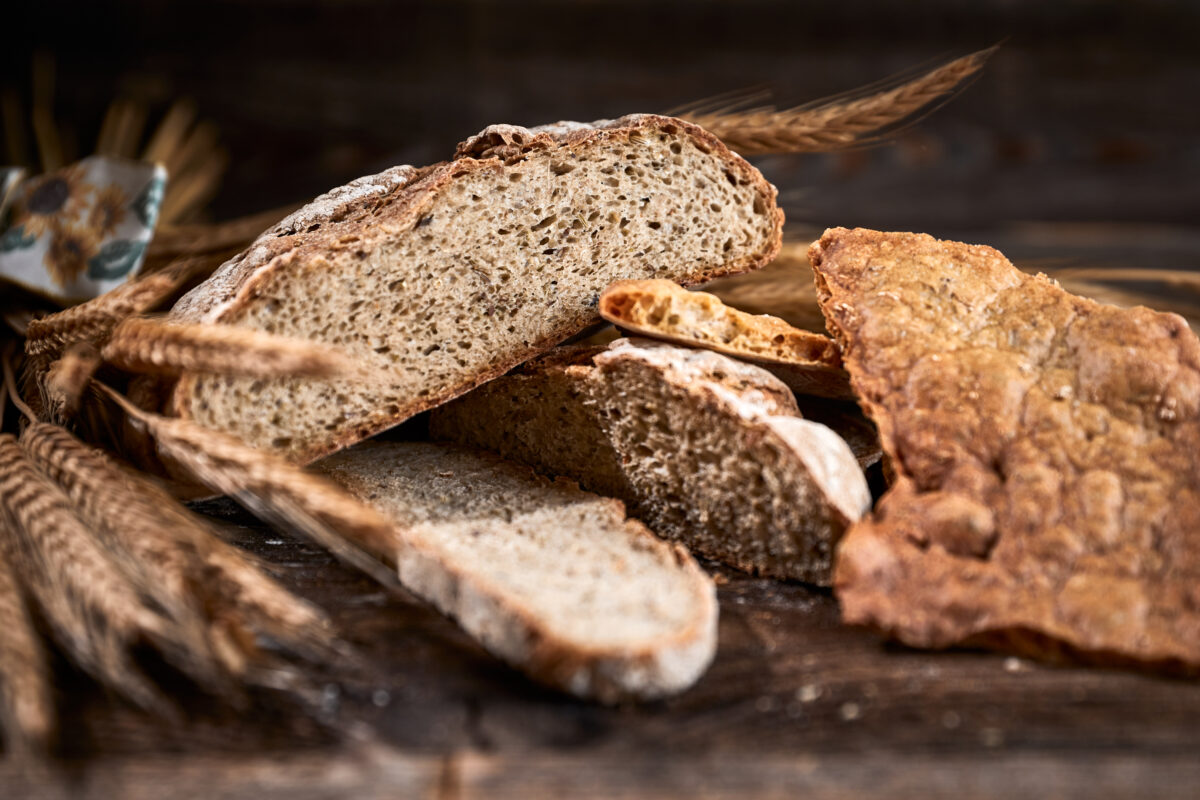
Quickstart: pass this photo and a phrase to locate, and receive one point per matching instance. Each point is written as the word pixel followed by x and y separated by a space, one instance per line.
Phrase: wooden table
pixel 794 705
pixel 1078 142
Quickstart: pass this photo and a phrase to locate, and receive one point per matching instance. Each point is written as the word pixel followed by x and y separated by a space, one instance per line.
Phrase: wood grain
pixel 794 701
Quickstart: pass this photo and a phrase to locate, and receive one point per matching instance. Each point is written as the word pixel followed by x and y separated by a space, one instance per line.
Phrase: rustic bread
pixel 556 581
pixel 1046 451
pixel 706 450
pixel 809 363
pixel 450 275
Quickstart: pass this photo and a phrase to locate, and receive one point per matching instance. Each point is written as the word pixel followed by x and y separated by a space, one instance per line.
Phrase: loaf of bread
pixel 554 580
pixel 809 363
pixel 446 276
pixel 706 450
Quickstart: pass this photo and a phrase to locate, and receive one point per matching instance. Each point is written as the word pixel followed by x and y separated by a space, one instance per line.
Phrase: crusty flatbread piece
pixel 1046 451
pixel 809 363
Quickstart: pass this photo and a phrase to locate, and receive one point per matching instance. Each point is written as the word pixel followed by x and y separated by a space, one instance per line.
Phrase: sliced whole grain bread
pixel 707 450
pixel 809 363
pixel 552 579
pixel 447 276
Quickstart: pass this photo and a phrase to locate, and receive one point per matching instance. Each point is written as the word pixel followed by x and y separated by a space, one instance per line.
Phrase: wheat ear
pixel 838 122
pixel 97 603
pixel 151 346
pixel 26 705
pixel 93 613
pixel 192 568
pixel 275 489
pixel 95 320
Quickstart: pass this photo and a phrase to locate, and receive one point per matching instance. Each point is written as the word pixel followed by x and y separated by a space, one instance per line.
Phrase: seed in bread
pixel 807 362
pixel 554 580
pixel 706 450
pixel 447 276
pixel 1046 451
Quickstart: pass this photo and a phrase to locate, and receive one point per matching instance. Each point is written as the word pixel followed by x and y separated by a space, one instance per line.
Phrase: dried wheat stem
pixel 26 705
pixel 91 609
pixel 150 346
pixel 179 240
pixel 273 487
pixel 837 123
pixel 170 132
pixel 95 320
pixel 67 378
pixel 194 188
pixel 193 571
pixel 14 129
pixel 1168 277
pixel 44 130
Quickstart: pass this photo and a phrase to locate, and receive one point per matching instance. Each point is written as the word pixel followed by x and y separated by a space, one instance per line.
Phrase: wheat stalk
pixel 192 569
pixel 174 241
pixel 26 707
pixel 274 488
pixel 94 321
pixel 836 123
pixel 67 378
pixel 92 611
pixel 155 347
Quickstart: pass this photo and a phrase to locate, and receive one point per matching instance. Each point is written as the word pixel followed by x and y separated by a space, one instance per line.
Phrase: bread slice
pixel 807 362
pixel 552 579
pixel 706 450
pixel 450 275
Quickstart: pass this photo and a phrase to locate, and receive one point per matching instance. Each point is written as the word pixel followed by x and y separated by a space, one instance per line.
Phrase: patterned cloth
pixel 78 232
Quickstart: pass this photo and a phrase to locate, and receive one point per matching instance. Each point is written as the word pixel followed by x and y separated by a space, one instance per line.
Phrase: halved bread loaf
pixel 453 274
pixel 554 580
pixel 807 362
pixel 706 450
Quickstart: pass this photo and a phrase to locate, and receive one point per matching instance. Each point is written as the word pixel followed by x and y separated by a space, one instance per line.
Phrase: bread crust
pixel 809 363
pixel 516 632
pixel 563 413
pixel 369 209
pixel 1045 450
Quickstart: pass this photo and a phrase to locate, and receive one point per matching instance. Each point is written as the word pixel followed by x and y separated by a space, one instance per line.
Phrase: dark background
pixel 1087 115
pixel 1077 144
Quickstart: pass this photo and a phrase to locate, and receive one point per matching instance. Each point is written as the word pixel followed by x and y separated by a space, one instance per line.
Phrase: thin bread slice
pixel 447 276
pixel 552 579
pixel 706 450
pixel 807 362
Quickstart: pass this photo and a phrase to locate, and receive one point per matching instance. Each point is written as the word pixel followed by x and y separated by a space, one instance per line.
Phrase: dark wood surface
pixel 794 702
pixel 1078 145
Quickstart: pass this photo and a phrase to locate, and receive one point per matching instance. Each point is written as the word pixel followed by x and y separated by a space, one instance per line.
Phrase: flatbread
pixel 1046 451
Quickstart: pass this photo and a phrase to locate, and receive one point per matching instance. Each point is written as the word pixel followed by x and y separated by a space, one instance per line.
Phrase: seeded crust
pixel 352 268
pixel 554 580
pixel 807 362
pixel 706 450
pixel 1046 451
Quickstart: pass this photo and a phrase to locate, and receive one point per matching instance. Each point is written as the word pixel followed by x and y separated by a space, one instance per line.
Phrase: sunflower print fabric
pixel 76 233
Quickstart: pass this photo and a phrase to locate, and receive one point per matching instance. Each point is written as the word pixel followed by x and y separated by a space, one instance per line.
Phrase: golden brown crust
pixel 808 362
pixel 1046 451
